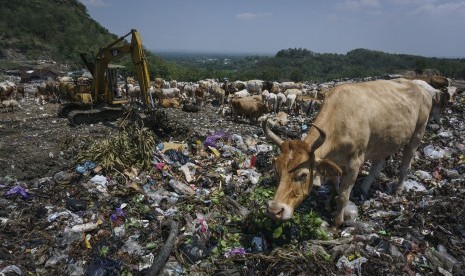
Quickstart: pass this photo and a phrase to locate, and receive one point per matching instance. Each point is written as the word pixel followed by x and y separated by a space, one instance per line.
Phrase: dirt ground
pixel 35 145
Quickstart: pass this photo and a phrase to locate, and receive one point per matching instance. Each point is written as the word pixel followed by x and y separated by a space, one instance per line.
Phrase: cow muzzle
pixel 278 211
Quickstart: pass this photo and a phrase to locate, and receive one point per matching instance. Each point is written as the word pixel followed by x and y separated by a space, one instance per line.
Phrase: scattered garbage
pixel 103 266
pixel 412 185
pixel 211 140
pixel 76 205
pixel 350 211
pixel 99 180
pixel 259 244
pixel 433 153
pixel 351 266
pixel 86 166
pixel 236 251
pixel 180 187
pixel 11 269
pixel 18 190
pixel 175 157
pixel 214 183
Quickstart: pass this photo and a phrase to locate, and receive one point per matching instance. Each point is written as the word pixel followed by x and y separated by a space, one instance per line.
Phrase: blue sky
pixel 432 28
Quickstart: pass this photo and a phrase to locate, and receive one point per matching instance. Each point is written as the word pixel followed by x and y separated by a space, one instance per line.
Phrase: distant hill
pixel 300 64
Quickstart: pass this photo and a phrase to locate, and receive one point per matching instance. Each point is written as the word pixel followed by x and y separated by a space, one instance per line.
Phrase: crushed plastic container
pixel 99 180
pixel 412 185
pixel 237 139
pixel 259 244
pixel 424 175
pixel 175 157
pixel 432 153
pixel 180 187
pixel 343 264
pixel 350 211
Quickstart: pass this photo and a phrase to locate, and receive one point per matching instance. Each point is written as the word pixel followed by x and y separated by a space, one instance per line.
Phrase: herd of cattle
pixel 356 121
pixel 254 98
pixel 250 99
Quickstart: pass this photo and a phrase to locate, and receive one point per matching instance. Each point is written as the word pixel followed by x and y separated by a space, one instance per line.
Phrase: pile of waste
pixel 194 204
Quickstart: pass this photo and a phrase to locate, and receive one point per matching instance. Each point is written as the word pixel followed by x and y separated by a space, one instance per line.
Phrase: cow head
pixel 296 167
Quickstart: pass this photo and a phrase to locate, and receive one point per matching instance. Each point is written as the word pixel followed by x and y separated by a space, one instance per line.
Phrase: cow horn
pixel 270 134
pixel 321 139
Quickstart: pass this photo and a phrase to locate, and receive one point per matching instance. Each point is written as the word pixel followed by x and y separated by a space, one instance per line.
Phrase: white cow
pixel 281 100
pixel 265 96
pixel 290 102
pixel 293 91
pixel 272 102
pixel 241 94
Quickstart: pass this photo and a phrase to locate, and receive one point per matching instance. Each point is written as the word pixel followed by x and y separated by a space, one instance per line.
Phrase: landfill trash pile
pixel 198 206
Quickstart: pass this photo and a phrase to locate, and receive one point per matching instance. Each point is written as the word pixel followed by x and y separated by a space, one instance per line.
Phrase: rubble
pixel 195 204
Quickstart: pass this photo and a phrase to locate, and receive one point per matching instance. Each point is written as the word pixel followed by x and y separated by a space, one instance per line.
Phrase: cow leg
pixel 375 169
pixel 347 182
pixel 407 157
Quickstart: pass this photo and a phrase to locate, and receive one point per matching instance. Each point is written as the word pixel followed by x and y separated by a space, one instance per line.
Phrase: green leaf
pixel 278 232
pixel 104 250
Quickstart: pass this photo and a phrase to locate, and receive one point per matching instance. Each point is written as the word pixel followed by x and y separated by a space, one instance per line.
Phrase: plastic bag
pixel 103 267
pixel 432 153
pixel 176 157
pixel 210 141
pixel 18 190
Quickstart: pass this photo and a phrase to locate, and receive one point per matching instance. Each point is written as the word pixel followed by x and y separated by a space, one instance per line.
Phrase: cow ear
pixel 328 168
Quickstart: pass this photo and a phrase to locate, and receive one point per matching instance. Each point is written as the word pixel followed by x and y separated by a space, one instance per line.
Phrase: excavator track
pixel 95 115
pixel 66 108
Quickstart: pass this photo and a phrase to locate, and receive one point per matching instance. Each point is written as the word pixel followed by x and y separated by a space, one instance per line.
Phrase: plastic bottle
pixel 180 187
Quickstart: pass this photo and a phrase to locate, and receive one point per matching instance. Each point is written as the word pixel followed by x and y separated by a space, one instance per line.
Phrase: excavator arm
pixel 99 103
pixel 109 53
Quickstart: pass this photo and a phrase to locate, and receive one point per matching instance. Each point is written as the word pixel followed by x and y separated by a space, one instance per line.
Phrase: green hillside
pixel 57 30
pixel 48 29
pixel 299 64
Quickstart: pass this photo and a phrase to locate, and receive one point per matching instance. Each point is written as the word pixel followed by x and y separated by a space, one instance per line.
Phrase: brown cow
pixel 357 122
pixel 248 107
pixel 170 103
pixel 307 104
pixel 20 91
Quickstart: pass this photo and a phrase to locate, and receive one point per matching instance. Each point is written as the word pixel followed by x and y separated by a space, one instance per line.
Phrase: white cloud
pixel 413 2
pixel 252 16
pixel 442 9
pixel 356 5
pixel 94 3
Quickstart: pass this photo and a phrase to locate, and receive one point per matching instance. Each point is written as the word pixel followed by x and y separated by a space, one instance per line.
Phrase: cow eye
pixel 301 176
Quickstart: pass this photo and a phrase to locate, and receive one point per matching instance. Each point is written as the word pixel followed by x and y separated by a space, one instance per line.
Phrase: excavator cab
pixel 101 100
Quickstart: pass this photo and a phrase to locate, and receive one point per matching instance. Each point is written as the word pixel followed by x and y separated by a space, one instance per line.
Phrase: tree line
pixel 300 64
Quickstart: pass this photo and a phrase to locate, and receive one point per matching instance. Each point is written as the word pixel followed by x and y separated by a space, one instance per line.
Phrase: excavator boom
pixel 100 103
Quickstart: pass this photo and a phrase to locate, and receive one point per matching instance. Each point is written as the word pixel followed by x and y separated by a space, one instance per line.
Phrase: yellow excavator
pixel 99 101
